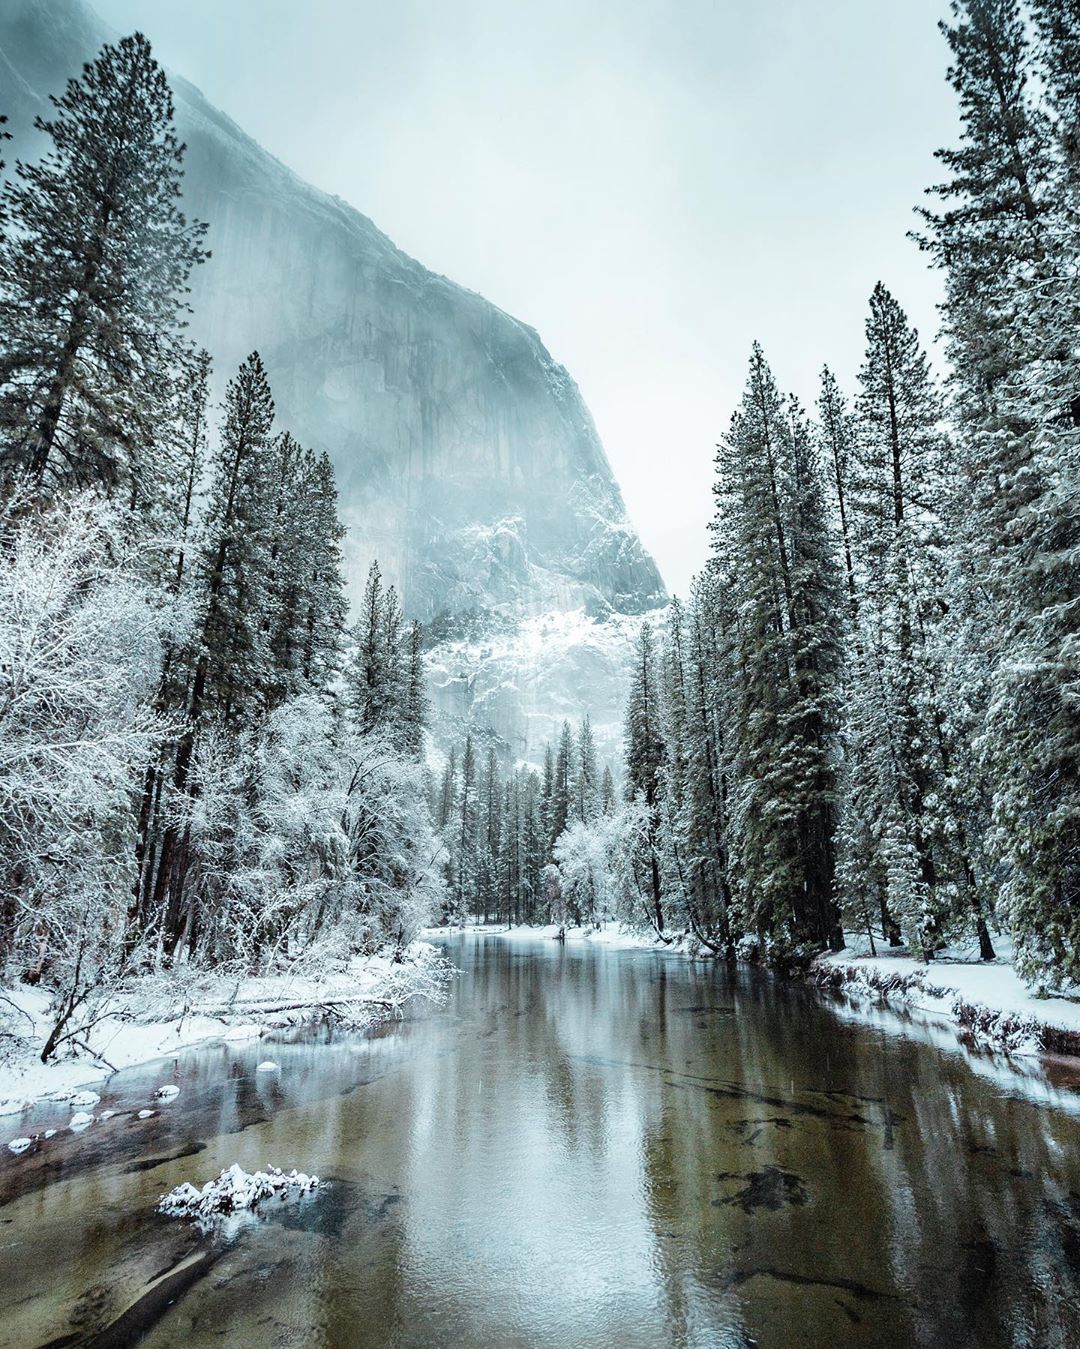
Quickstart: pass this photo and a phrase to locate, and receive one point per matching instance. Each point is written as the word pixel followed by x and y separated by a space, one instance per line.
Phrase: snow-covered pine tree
pixel 587 777
pixel 703 819
pixel 771 554
pixel 466 833
pixel 1007 243
pixel 645 756
pixel 234 668
pixel 415 711
pixel 562 783
pixel 93 281
pixel 609 797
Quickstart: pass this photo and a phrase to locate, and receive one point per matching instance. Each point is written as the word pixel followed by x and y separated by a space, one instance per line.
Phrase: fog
pixel 651 186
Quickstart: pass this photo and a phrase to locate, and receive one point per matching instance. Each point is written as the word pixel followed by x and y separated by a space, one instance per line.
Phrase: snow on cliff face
pixel 523 682
pixel 466 459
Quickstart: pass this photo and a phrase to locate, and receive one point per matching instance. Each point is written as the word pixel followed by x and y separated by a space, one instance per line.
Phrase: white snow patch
pixel 18 1145
pixel 267 1066
pixel 106 1114
pixel 988 1000
pixel 167 1093
pixel 233 1191
pixel 85 1098
pixel 79 1121
pixel 157 1016
pixel 145 1114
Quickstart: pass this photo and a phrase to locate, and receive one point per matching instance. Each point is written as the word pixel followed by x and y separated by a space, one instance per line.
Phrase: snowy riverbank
pixel 155 1017
pixel 988 1003
pixel 612 935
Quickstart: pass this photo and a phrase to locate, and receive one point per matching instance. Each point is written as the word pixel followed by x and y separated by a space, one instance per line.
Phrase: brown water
pixel 585 1147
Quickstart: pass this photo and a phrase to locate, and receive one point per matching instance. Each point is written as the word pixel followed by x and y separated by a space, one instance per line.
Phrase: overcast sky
pixel 652 184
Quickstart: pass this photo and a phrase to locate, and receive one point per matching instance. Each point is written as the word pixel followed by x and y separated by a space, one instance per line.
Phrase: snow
pixel 154 1019
pixel 79 1121
pixel 267 1066
pixel 612 935
pixel 18 1145
pixel 167 1093
pixel 988 998
pixel 146 1114
pixel 85 1098
pixel 233 1191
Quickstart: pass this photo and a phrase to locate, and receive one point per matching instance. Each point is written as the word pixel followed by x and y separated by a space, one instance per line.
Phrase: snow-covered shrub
pixel 308 838
pixel 81 642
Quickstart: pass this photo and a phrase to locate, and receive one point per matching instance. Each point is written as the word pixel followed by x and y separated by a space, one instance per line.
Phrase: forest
pixel 201 763
pixel 862 719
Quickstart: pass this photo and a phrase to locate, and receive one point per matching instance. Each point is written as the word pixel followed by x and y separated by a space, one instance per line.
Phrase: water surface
pixel 584 1147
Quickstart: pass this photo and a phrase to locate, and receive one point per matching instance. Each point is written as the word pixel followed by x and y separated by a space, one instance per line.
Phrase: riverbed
pixel 585 1146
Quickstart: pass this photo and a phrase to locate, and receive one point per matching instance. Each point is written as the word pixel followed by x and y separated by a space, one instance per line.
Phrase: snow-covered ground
pixel 612 935
pixel 987 1002
pixel 155 1018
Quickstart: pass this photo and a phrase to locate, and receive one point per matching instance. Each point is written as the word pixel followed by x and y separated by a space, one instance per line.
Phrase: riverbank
pixel 987 1002
pixel 155 1017
pixel 612 935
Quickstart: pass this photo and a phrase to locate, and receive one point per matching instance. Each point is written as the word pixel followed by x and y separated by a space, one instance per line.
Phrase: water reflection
pixel 584 1148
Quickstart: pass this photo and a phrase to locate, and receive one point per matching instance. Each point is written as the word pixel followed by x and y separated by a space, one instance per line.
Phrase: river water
pixel 586 1146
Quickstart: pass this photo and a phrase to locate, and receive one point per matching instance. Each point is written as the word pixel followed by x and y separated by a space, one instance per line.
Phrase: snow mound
pixel 18 1145
pixel 268 1066
pixel 80 1121
pixel 145 1114
pixel 167 1093
pixel 85 1098
pixel 233 1191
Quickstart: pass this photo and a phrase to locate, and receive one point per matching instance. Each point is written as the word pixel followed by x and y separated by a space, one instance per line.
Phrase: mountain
pixel 466 459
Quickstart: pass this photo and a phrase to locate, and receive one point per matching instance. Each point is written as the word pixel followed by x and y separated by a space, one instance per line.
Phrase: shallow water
pixel 585 1147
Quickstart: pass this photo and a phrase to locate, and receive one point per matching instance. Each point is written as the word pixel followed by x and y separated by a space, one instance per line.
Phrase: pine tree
pixel 93 282
pixel 609 798
pixel 772 555
pixel 234 667
pixel 587 781
pixel 645 756
pixel 562 783
pixel 467 831
pixel 415 712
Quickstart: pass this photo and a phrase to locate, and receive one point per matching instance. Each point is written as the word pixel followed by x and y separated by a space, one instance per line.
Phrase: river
pixel 585 1146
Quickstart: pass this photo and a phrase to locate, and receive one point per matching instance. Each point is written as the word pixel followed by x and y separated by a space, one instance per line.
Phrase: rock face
pixel 466 459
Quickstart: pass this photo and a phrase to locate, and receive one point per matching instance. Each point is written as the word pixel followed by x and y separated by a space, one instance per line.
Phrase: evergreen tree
pixel 645 757
pixel 587 781
pixel 93 281
pixel 234 665
pixel 562 784
pixel 772 555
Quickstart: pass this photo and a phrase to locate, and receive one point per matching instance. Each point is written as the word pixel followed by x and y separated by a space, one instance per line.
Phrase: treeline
pixel 197 760
pixel 867 715
pixel 503 831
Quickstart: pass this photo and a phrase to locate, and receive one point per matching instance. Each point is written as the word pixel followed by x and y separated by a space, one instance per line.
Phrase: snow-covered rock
pixel 522 678
pixel 167 1093
pixel 79 1121
pixel 267 1066
pixel 234 1190
pixel 85 1098
pixel 146 1114
pixel 18 1145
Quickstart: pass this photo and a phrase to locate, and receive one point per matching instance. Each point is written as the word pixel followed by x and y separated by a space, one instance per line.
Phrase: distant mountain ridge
pixel 467 461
